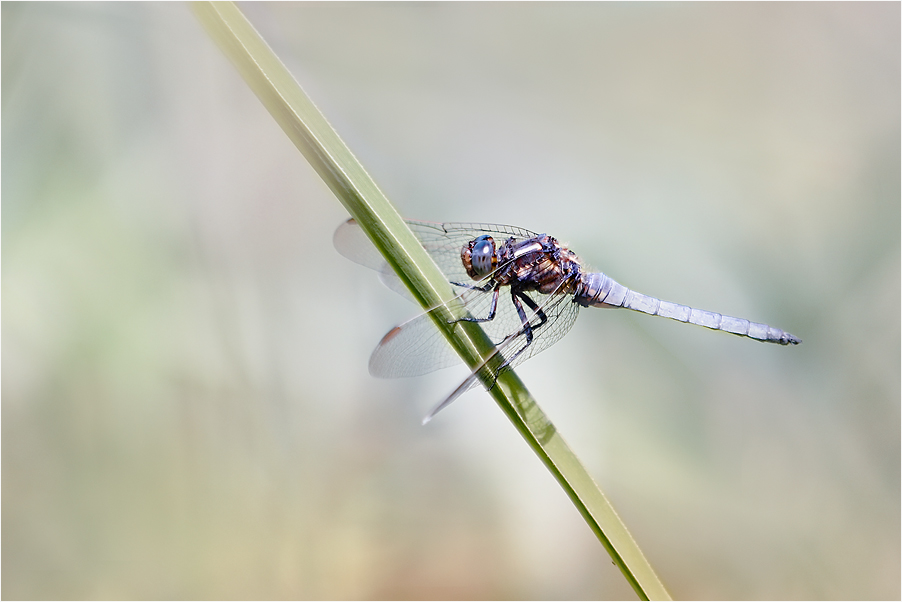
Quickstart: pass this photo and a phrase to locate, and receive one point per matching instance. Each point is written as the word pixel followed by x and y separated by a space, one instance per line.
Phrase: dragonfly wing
pixel 351 241
pixel 415 347
pixel 442 241
pixel 560 312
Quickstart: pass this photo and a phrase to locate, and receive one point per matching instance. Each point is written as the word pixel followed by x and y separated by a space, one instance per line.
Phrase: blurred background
pixel 187 411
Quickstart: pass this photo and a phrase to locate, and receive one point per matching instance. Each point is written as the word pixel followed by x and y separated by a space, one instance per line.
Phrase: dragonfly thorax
pixel 538 263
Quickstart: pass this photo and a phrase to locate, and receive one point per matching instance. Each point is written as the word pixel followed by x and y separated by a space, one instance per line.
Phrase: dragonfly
pixel 525 289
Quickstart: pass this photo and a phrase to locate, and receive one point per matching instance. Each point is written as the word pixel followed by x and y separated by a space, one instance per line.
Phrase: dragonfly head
pixel 479 257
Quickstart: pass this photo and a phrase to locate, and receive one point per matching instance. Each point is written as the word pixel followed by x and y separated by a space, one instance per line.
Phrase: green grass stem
pixel 331 158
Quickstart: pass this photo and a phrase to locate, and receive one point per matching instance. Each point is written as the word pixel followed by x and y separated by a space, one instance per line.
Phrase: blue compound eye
pixel 482 256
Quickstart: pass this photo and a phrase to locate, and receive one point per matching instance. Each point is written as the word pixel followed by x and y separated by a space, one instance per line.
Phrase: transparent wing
pixel 351 241
pixel 417 347
pixel 560 311
pixel 445 241
pixel 442 241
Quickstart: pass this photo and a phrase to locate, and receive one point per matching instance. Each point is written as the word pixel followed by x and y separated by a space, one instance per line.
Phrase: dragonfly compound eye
pixel 479 257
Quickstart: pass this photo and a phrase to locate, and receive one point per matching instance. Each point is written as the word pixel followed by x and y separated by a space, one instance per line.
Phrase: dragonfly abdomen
pixel 598 290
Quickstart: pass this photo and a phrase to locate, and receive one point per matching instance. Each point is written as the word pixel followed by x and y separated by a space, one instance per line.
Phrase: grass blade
pixel 330 157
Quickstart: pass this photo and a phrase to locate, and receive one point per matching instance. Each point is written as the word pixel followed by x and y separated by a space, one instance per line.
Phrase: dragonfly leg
pixel 535 309
pixel 492 308
pixel 472 287
pixel 528 327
